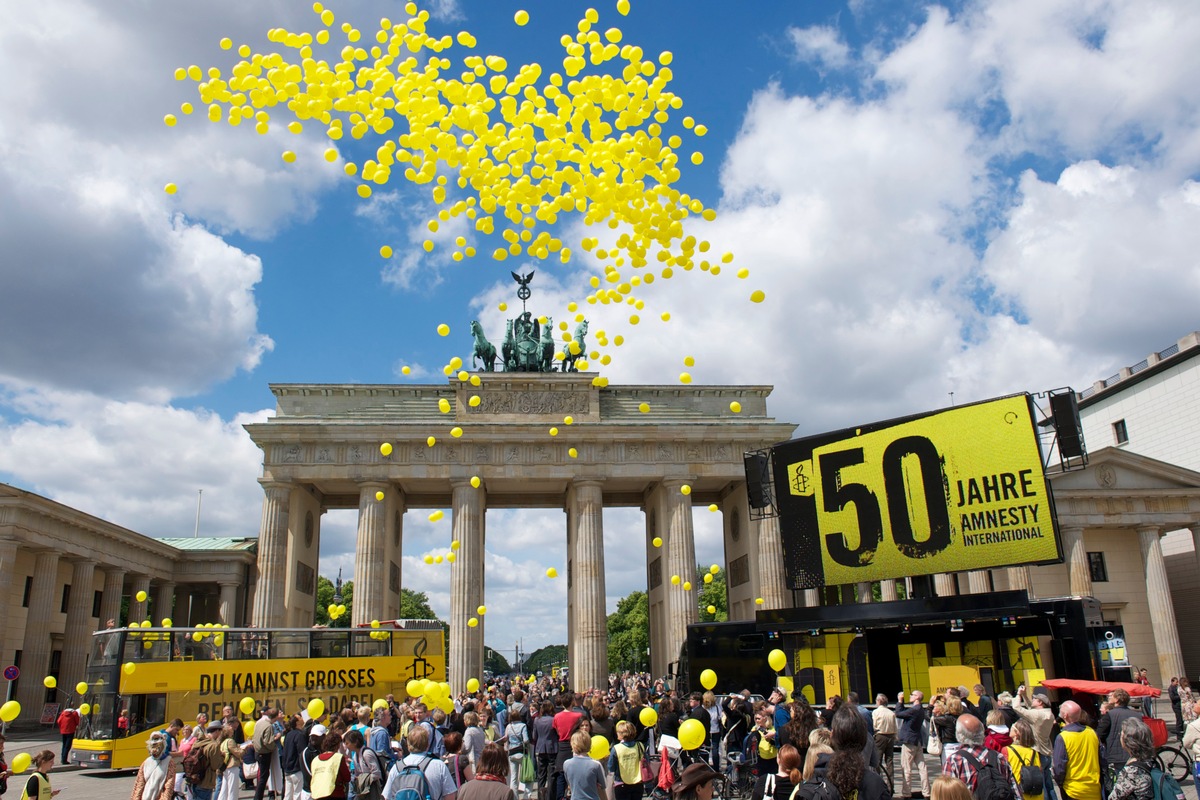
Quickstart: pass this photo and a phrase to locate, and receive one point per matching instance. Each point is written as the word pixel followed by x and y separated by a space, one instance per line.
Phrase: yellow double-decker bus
pixel 139 679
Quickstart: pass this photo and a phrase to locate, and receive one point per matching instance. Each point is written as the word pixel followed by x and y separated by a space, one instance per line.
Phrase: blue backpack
pixel 411 783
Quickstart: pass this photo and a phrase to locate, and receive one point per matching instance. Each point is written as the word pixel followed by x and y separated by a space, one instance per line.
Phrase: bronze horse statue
pixel 580 333
pixel 484 351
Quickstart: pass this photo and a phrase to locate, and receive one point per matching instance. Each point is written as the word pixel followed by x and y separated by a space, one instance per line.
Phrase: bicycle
pixel 737 781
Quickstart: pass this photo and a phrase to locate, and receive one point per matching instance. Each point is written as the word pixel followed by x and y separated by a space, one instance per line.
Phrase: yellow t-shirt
pixel 1082 780
pixel 766 747
pixel 1023 757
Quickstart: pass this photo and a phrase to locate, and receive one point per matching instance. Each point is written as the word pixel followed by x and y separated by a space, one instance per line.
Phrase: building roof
pixel 212 543
pixel 1186 348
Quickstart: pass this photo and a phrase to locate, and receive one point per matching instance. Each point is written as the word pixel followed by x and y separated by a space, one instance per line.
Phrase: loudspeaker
pixel 1064 409
pixel 758 479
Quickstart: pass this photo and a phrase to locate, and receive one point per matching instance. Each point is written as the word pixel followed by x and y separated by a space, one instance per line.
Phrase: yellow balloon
pixel 431 441
pixel 129 667
pixel 454 545
pixel 379 496
pixel 412 688
pixel 687 586
pixel 472 685
pixel 49 681
pixel 443 329
pixel 777 659
pixel 428 559
pixel 713 507
pixel 708 678
pixel 656 541
pixel 644 408
pixel 145 623
pixel 246 705
pixel 475 481
pixel 85 709
pixel 648 717
pixel 170 188
pixel 758 296
pixel 81 687
pixel 248 728
pixel 197 636
pixel 444 405
pixel 436 515
pixel 685 377
pixel 21 762
pixel 386 448
pixel 472 622
pixel 481 610
pixel 378 704
pixel 10 711
pixel 735 407
pixel 521 17
pixel 686 489
pixel 758 601
pixel 785 683
pixel 456 432
pixel 141 597
pixel 714 569
pixel 552 573
pixel 572 452
pixel 692 734
pixel 316 707
pixel 166 622
pixel 711 610
pixel 675 579
pixel 600 748
pixel 708 578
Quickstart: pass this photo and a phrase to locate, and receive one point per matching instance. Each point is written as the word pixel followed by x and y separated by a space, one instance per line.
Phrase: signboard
pixel 11 673
pixel 948 491
pixel 942 679
pixel 1112 649
pixel 49 714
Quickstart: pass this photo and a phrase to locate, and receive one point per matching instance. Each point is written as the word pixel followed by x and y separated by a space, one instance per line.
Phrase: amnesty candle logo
pixel 949 491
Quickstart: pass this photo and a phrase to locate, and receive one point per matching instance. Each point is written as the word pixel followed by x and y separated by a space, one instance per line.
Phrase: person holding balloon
pixel 38 785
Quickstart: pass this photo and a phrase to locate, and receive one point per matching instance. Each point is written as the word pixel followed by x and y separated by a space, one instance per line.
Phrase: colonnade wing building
pixel 64 574
pixel 322 451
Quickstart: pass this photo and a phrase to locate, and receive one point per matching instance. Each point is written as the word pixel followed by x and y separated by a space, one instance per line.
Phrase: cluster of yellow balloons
pixel 377 633
pixel 335 610
pixel 433 693
pixel 450 556
pixel 523 148
pixel 213 630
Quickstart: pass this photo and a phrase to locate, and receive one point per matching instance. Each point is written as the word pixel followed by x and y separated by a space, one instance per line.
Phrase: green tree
pixel 629 633
pixel 712 594
pixel 415 605
pixel 545 657
pixel 496 662
pixel 325 599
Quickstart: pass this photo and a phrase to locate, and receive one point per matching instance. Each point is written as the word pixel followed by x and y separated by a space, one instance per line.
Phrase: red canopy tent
pixel 1101 687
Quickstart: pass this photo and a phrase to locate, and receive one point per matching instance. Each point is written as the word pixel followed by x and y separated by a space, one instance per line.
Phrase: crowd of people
pixel 543 741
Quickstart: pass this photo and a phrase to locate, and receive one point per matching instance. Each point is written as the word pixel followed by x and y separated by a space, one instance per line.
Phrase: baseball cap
pixel 319 730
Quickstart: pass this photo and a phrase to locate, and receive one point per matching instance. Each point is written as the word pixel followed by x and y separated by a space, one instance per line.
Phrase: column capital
pixel 1156 530
pixel 229 583
pixel 579 483
pixel 675 483
pixel 275 487
pixel 373 486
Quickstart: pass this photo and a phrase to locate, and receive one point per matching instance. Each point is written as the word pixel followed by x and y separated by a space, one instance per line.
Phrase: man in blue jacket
pixel 912 750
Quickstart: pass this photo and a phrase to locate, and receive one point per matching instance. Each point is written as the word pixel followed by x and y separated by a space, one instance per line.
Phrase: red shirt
pixel 563 722
pixel 68 721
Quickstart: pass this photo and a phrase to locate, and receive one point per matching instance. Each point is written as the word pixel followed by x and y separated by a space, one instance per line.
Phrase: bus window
pixel 146 711
pixel 188 649
pixel 106 649
pixel 289 644
pixel 329 644
pixel 749 644
pixel 147 646
pixel 103 717
pixel 241 645
pixel 361 644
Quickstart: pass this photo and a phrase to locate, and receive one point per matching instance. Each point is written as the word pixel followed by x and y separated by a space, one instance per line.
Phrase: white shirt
pixel 441 782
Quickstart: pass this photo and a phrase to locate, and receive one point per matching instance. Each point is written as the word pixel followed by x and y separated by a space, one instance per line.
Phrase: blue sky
pixel 977 198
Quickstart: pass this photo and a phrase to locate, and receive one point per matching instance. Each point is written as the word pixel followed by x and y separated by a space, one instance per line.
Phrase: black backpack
pixel 1033 779
pixel 990 783
pixel 816 789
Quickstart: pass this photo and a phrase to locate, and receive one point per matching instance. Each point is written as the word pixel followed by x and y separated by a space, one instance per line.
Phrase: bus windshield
pixel 106 648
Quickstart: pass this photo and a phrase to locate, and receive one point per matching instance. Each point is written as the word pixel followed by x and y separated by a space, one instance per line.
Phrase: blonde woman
pixel 820 743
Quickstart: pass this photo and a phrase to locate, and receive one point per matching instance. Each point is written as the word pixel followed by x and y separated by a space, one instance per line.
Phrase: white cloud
pixel 821 45
pixel 135 464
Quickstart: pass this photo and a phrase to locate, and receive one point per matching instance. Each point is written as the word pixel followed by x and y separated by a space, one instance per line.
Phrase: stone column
pixel 8 563
pixel 229 604
pixel 138 608
pixel 863 593
pixel 466 584
pixel 77 638
pixel 1019 578
pixel 770 563
pixel 887 591
pixel 977 582
pixel 114 591
pixel 370 559
pixel 589 631
pixel 1077 564
pixel 812 598
pixel 164 602
pixel 683 607
pixel 35 651
pixel 943 585
pixel 272 556
pixel 1162 612
pixel 1195 529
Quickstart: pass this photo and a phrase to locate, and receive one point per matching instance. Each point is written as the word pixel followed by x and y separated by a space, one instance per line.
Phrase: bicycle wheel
pixel 720 788
pixel 1172 761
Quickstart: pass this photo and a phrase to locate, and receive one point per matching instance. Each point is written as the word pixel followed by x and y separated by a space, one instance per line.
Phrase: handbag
pixel 366 786
pixel 250 771
pixel 934 748
pixel 528 770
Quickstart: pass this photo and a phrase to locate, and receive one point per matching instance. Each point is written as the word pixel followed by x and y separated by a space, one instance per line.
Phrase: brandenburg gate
pixel 322 451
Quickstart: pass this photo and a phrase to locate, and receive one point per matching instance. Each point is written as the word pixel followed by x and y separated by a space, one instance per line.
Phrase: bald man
pixel 1077 756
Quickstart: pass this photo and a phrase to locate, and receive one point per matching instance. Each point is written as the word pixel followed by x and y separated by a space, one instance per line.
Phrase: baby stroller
pixel 673 759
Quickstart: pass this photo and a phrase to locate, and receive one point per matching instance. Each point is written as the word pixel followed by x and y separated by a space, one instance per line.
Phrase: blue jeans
pixel 201 794
pixel 1049 777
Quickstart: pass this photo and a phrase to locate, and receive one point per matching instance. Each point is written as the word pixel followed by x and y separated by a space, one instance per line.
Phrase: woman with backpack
pixel 367 775
pixel 1134 781
pixel 491 777
pixel 1024 762
pixel 460 769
